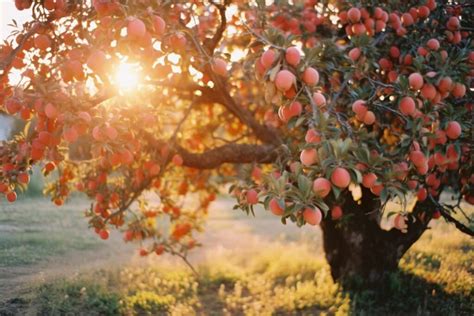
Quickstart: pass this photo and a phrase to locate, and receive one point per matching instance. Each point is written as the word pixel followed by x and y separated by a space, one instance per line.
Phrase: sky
pixel 7 13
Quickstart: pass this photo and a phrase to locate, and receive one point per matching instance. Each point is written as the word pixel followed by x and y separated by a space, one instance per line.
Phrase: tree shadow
pixel 404 293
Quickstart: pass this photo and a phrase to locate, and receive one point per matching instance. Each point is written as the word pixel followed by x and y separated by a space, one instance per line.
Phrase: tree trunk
pixel 357 247
pixel 357 251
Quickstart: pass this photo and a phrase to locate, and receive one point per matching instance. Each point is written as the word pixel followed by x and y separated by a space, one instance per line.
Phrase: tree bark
pixel 357 247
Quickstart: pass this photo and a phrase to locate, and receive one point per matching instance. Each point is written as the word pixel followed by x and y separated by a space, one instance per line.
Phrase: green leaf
pixel 321 205
pixel 303 183
pixel 358 175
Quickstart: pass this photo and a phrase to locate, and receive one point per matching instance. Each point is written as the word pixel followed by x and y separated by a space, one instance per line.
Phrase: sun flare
pixel 127 77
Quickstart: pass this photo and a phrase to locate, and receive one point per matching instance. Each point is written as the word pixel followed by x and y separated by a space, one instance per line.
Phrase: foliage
pixel 318 98
pixel 65 297
pixel 265 283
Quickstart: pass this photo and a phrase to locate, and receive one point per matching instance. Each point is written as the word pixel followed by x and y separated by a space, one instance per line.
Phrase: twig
pixel 7 61
pixel 212 43
pixel 186 261
pixel 463 228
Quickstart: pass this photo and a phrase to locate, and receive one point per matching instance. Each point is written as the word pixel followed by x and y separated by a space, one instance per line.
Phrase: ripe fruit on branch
pixel 319 99
pixel 453 130
pixel 309 156
pixel 422 194
pixel 252 196
pixel 312 216
pixel 369 118
pixel 275 207
pixel 399 222
pixel 136 29
pixel 105 7
pixel 459 90
pixel 341 178
pixel 407 106
pixel 159 25
pixel 354 15
pixel 288 111
pixel 428 91
pixel 445 84
pixel 415 81
pixel 50 111
pixel 284 80
pixel 312 136
pixel 97 61
pixel 70 135
pixel 12 106
pixel 311 76
pixel 23 4
pixel 433 44
pixel 321 187
pixel 336 212
pixel 418 158
pixel 11 196
pixel 159 249
pixel 219 66
pixel 177 160
pixel 268 58
pixel 24 177
pixel 110 132
pixel 354 54
pixel 359 108
pixel 177 41
pixel 368 180
pixel 42 41
pixel 104 234
pixel 292 56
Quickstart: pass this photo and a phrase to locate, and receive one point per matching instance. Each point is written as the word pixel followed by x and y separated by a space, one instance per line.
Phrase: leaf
pixel 336 191
pixel 358 175
pixel 391 213
pixel 321 205
pixel 384 194
pixel 273 72
pixel 303 183
pixel 26 129
pixel 300 121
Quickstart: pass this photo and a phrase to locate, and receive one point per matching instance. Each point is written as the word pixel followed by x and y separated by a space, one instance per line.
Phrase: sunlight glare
pixel 127 77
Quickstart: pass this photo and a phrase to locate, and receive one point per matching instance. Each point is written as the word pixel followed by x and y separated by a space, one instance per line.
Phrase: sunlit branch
pixel 211 44
pixel 7 61
pixel 229 153
pixel 265 134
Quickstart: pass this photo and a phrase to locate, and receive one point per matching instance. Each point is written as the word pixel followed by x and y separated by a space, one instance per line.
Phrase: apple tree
pixel 321 111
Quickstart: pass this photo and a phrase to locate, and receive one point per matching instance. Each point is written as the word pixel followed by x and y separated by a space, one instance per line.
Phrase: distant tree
pixel 322 111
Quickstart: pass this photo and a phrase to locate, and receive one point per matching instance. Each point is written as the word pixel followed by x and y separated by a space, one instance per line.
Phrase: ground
pixel 51 264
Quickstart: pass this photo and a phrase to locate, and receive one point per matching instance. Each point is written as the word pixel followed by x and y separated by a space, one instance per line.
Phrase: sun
pixel 127 77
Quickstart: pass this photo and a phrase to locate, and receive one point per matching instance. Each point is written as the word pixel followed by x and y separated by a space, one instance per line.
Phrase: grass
pixel 32 231
pixel 256 271
pixel 436 278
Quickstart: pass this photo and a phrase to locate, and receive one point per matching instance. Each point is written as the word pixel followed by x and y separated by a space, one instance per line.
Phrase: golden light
pixel 127 77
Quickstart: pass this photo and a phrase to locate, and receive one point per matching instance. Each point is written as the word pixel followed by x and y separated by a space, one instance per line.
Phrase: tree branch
pixel 221 94
pixel 266 134
pixel 211 44
pixel 7 61
pixel 463 228
pixel 230 153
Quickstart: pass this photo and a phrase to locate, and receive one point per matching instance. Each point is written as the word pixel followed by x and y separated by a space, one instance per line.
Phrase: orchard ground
pixel 51 264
